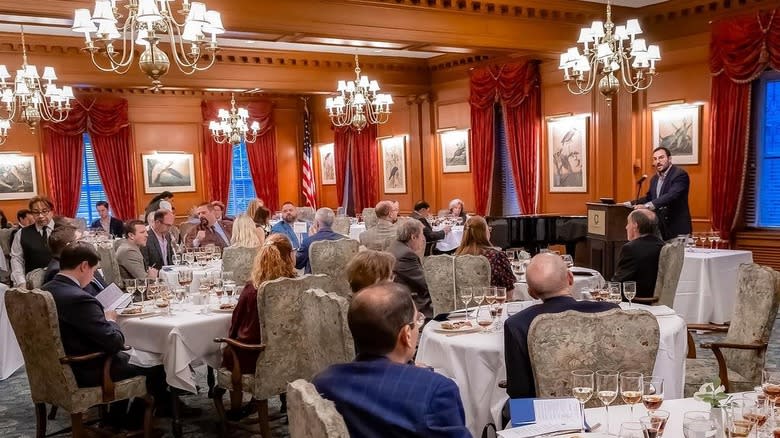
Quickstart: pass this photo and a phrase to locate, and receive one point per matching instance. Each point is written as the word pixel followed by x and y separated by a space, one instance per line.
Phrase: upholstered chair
pixel 304 330
pixel 109 264
pixel 741 356
pixel 559 343
pixel 35 277
pixel 239 261
pixel 369 217
pixel 329 257
pixel 311 416
pixel 471 271
pixel 669 268
pixel 33 316
pixel 341 225
pixel 439 275
pixel 306 214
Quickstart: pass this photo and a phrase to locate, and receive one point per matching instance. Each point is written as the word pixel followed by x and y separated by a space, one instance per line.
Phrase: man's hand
pixel 640 207
pixel 111 315
pixel 152 273
pixel 200 236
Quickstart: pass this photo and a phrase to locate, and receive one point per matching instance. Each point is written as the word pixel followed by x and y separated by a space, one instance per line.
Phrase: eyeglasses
pixel 419 320
pixel 40 212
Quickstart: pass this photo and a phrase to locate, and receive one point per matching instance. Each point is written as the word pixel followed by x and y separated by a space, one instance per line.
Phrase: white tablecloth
pixel 707 289
pixel 355 230
pixel 584 278
pixel 170 274
pixel 185 338
pixel 451 240
pixel 476 363
pixel 10 355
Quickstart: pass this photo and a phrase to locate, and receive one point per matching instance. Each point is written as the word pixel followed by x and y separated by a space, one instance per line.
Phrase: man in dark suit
pixel 210 231
pixel 421 213
pixel 549 280
pixel 106 222
pixel 381 394
pixel 408 268
pixel 158 251
pixel 323 221
pixel 668 196
pixel 61 237
pixel 638 260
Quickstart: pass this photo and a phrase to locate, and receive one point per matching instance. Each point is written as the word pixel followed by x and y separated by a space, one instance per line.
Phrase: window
pixel 766 134
pixel 242 189
pixel 92 189
pixel 504 201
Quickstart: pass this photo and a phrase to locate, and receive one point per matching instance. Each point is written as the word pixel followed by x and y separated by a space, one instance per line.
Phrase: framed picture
pixel 455 153
pixel 677 128
pixel 327 165
pixel 394 164
pixel 17 176
pixel 567 147
pixel 171 172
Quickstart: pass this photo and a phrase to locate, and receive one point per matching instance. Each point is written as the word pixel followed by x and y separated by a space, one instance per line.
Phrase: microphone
pixel 639 186
pixel 641 180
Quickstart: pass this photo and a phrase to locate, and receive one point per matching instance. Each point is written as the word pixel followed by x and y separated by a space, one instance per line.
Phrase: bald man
pixel 638 259
pixel 548 280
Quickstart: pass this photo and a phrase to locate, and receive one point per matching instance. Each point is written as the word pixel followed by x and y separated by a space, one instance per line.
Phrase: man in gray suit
pixel 128 255
pixel 158 251
pixel 384 233
pixel 408 269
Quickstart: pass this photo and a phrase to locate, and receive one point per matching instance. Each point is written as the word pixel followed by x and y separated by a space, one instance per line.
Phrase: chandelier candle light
pixel 144 25
pixel 232 126
pixel 608 49
pixel 28 99
pixel 358 103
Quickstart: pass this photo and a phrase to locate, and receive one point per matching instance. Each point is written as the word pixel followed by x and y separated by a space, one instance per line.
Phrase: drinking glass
pixel 490 296
pixel 632 429
pixel 500 298
pixel 181 295
pixel 652 392
pixel 631 389
pixel 606 390
pixel 510 254
pixel 484 318
pixel 716 239
pixel 762 410
pixel 219 289
pixel 203 291
pixel 568 260
pixel 162 303
pixel 742 417
pixel 189 258
pixel 582 389
pixel 140 286
pixel 229 290
pixel 130 286
pixel 770 384
pixel 479 295
pixel 614 293
pixel 466 293
pixel 629 291
pixel 699 424
pixel 690 242
pixel 152 287
pixel 176 259
pixel 185 277
pixel 654 423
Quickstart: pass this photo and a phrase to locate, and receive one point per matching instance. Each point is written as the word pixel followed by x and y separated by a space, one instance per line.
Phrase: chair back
pixel 5 241
pixel 439 276
pixel 369 217
pixel 33 316
pixel 471 271
pixel 239 261
pixel 292 351
pixel 559 343
pixel 758 295
pixel 341 225
pixel 311 416
pixel 109 264
pixel 34 278
pixel 669 268
pixel 306 214
pixel 330 257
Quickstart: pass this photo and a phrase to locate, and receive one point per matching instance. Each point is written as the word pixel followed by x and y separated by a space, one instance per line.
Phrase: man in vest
pixel 30 248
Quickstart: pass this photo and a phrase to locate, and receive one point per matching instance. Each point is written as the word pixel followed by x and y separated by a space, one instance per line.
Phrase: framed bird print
pixel 676 128
pixel 17 176
pixel 327 165
pixel 455 154
pixel 168 171
pixel 394 164
pixel 567 148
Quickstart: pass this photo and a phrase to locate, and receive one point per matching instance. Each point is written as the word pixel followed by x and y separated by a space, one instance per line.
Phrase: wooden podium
pixel 606 235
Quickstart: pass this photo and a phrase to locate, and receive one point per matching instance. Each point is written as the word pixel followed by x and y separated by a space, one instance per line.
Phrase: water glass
pixel 655 423
pixel 175 259
pixel 742 418
pixel 629 291
pixel 699 424
pixel 632 429
pixel 484 318
pixel 770 384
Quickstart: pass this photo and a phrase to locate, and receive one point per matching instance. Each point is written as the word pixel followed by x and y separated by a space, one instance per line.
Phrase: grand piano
pixel 534 232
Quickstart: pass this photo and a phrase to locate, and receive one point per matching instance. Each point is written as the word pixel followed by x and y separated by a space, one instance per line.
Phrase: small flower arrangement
pixel 713 393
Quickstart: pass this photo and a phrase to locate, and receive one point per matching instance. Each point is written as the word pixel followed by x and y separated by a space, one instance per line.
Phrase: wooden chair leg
pixel 40 420
pixel 148 419
pixel 236 397
pixel 77 425
pixel 176 420
pixel 262 418
pixel 220 407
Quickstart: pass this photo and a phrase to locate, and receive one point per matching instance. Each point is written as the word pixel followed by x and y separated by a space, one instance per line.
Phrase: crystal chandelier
pixel 29 100
pixel 608 49
pixel 232 126
pixel 144 25
pixel 358 103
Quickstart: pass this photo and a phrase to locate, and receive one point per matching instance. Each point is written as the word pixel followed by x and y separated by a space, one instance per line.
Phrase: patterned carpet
pixel 17 417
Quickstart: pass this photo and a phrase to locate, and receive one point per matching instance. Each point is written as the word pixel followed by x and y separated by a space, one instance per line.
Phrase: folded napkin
pixel 655 310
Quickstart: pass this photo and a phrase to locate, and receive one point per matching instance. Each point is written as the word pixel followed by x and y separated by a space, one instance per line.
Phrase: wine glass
pixel 181 296
pixel 130 286
pixel 631 389
pixel 699 424
pixel 690 243
pixel 500 299
pixel 466 293
pixel 219 289
pixel 510 254
pixel 568 260
pixel 479 295
pixel 185 277
pixel 613 294
pixel 629 291
pixel 140 286
pixel 189 258
pixel 761 409
pixel 742 417
pixel 490 296
pixel 175 259
pixel 654 423
pixel 582 388
pixel 632 429
pixel 652 392
pixel 152 287
pixel 162 302
pixel 229 290
pixel 770 384
pixel 716 239
pixel 203 291
pixel 484 318
pixel 606 390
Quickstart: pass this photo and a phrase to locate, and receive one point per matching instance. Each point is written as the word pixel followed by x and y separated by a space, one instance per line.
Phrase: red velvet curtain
pixel 63 149
pixel 365 165
pixel 262 154
pixel 341 148
pixel 516 86
pixel 217 157
pixel 740 50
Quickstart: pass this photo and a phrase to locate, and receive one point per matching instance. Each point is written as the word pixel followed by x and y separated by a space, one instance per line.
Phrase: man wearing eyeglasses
pixel 30 248
pixel 380 394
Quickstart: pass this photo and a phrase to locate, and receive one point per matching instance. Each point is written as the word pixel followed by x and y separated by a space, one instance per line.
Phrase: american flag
pixel 309 188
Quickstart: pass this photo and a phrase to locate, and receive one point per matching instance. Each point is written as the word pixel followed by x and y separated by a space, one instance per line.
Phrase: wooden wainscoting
pixel 765 246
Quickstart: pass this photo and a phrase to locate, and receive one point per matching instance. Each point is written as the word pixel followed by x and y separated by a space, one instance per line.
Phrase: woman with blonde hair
pixel 476 241
pixel 369 267
pixel 244 241
pixel 457 210
pixel 253 205
pixel 275 259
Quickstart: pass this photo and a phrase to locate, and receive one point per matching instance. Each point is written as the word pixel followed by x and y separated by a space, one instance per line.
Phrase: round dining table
pixel 170 274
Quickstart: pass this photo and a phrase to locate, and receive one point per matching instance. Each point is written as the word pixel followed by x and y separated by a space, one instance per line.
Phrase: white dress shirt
pixel 17 255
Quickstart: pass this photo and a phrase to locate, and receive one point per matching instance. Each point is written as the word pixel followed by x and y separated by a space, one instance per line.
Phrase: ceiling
pixel 629 3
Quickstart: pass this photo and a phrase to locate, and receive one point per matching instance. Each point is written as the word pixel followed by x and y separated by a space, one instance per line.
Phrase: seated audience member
pixel 111 225
pixel 381 394
pixel 244 242
pixel 476 241
pixel 457 210
pixel 323 221
pixel 369 267
pixel 422 213
pixel 61 237
pixel 161 201
pixel 262 219
pixel 245 234
pixel 275 259
pixel 384 233
pixel 129 257
pixel 395 211
pixel 638 259
pixel 210 231
pixel 548 280
pixel 286 226
pixel 30 247
pixel 253 205
pixel 158 251
pixel 4 220
pixel 408 269
pixel 23 218
pixel 220 211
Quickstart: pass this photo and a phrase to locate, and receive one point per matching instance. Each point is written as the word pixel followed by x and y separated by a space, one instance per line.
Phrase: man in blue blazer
pixel 323 221
pixel 106 222
pixel 668 196
pixel 286 226
pixel 381 394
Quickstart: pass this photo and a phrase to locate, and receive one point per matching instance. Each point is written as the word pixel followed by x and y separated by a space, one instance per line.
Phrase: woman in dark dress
pixel 476 241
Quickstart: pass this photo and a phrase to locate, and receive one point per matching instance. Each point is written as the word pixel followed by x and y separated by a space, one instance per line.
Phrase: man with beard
pixel 668 196
pixel 210 231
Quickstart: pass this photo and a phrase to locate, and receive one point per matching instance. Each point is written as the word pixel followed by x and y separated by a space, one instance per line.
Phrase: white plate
pixel 133 315
pixel 464 329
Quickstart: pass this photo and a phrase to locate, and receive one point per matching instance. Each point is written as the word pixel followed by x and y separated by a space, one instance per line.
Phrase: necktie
pixel 45 235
